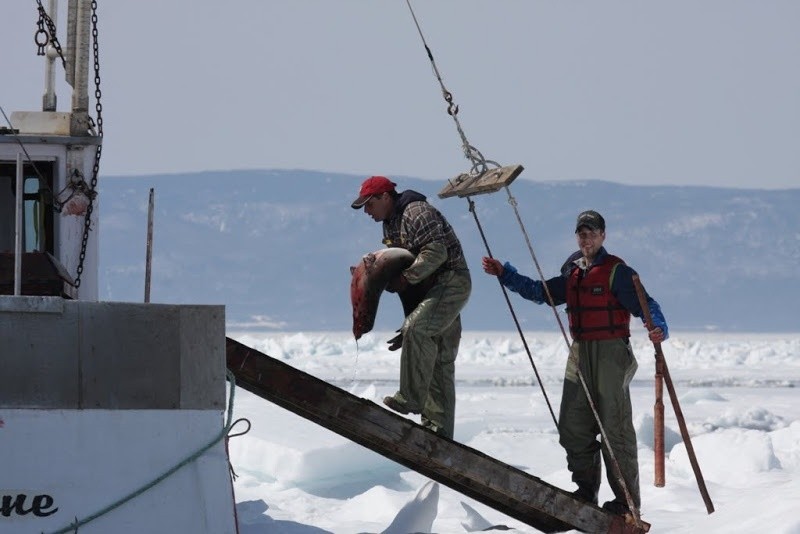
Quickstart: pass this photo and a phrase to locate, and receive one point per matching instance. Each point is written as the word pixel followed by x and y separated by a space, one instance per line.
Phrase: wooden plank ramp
pixel 466 470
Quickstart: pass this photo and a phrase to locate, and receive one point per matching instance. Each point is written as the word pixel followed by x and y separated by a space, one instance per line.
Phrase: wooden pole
pixel 149 255
pixel 658 427
pixel 687 440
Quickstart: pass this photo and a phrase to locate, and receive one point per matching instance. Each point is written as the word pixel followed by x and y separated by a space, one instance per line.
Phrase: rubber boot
pixel 588 481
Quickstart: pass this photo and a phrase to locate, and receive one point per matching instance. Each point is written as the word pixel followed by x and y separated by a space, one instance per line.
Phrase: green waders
pixel 607 367
pixel 431 335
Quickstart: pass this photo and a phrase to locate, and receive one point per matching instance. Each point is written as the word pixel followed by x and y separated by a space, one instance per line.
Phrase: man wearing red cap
pixel 431 332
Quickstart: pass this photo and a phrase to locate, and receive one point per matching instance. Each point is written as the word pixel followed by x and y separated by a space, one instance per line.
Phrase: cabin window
pixel 37 209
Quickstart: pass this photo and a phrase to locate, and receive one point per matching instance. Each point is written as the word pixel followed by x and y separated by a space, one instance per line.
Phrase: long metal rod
pixel 19 230
pixel 513 314
pixel 687 440
pixel 149 254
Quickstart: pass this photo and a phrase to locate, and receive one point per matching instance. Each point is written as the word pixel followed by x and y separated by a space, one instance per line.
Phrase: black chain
pixel 87 222
pixel 42 36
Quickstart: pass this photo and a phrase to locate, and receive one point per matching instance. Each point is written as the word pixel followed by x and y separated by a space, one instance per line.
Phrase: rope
pixel 73 527
pixel 234 476
pixel 479 166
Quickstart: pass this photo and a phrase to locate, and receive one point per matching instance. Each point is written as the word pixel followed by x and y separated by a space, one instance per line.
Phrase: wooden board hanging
pixel 492 180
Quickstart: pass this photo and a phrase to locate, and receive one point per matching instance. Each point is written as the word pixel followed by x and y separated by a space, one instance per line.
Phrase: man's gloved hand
pixel 397 341
pixel 398 284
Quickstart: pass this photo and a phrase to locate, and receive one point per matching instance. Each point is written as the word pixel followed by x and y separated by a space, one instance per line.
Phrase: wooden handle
pixel 660 361
pixel 658 432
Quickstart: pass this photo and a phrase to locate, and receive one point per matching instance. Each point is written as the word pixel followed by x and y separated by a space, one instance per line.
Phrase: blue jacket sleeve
pixel 533 290
pixel 518 283
pixel 658 318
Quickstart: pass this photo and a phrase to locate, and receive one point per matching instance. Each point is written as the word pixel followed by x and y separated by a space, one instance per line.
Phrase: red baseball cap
pixel 374 185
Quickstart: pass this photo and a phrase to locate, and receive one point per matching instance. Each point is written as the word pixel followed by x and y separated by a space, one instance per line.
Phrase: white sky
pixel 743 419
pixel 679 92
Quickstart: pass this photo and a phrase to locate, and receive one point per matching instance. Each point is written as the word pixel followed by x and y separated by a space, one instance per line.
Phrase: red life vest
pixel 594 313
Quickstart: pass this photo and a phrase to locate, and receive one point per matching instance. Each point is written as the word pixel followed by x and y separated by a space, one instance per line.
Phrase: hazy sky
pixel 679 92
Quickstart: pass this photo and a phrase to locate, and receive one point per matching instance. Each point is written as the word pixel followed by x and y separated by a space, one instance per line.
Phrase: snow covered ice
pixel 738 393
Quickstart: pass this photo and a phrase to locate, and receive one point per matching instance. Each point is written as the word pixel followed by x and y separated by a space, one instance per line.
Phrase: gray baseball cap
pixel 592 220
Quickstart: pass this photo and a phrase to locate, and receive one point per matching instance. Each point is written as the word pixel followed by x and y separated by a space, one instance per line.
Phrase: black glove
pixel 397 341
pixel 398 284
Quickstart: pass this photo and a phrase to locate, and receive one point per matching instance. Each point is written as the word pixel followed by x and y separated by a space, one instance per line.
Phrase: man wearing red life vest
pixel 598 290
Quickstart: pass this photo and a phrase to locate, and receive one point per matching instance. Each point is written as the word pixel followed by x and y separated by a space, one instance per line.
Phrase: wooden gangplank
pixel 466 470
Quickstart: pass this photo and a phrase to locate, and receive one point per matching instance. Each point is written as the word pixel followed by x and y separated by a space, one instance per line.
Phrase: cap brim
pixel 587 225
pixel 359 202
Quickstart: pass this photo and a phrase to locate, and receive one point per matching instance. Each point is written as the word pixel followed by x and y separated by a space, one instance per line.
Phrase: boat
pixel 112 415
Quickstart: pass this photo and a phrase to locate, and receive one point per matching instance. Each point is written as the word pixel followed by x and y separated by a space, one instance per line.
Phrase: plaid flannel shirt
pixel 421 224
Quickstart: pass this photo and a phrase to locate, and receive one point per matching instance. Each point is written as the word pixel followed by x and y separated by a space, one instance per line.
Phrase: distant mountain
pixel 275 247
